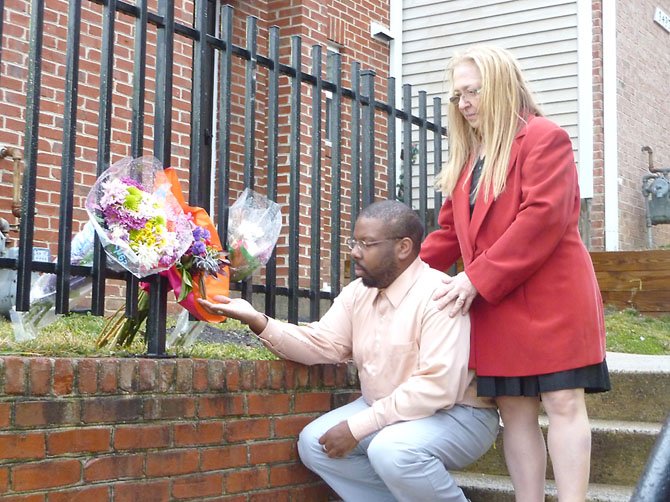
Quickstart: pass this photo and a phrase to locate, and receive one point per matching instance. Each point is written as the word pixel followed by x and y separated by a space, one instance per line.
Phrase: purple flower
pixel 197 233
pixel 132 182
pixel 198 248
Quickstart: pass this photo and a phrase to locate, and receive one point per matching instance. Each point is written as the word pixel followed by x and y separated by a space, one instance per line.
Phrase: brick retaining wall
pixel 154 430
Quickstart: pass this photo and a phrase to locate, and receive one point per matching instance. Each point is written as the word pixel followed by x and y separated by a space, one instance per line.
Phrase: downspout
pixel 610 125
pixel 585 98
pixel 395 70
pixel 17 176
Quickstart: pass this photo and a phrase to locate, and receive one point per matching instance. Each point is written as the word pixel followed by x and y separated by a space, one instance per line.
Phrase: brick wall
pixel 643 72
pixel 158 430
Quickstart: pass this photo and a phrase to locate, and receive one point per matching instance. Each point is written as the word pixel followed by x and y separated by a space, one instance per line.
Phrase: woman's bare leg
pixel 524 448
pixel 569 442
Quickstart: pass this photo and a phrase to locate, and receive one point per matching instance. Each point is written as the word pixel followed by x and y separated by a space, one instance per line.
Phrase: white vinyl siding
pixel 542 34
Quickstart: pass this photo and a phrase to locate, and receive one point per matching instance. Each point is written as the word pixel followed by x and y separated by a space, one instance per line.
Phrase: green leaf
pixel 186 285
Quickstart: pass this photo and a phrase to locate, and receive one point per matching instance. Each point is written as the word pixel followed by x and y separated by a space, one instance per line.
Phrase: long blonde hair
pixel 505 101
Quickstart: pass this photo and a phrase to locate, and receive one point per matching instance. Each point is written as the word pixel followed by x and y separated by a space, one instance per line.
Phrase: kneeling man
pixel 419 416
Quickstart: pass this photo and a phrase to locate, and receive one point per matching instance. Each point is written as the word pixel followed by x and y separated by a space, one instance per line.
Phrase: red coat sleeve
pixel 440 249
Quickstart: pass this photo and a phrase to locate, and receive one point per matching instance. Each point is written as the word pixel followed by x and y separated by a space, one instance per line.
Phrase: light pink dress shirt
pixel 412 358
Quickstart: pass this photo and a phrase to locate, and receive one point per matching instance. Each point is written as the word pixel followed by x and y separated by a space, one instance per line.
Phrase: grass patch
pixel 632 333
pixel 75 335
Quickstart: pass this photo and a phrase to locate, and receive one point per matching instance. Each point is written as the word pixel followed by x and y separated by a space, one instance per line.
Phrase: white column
pixel 610 127
pixel 585 97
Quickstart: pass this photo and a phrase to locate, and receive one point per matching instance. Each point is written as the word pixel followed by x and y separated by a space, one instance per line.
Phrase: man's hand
pixel 338 441
pixel 236 308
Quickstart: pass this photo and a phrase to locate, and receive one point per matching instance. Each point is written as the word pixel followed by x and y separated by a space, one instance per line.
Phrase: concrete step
pixel 619 452
pixel 640 389
pixel 490 488
pixel 625 424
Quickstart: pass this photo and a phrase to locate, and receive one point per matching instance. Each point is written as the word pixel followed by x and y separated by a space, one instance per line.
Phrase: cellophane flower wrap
pixel 202 271
pixel 139 222
pixel 254 224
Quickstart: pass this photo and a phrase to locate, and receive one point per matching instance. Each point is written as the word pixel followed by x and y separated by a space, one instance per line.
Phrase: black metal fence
pixel 214 54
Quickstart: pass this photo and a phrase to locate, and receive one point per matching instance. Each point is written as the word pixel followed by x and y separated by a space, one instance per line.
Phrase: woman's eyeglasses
pixel 468 95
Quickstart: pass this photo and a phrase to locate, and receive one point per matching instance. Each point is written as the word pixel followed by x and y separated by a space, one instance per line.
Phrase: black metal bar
pixel 223 175
pixel 355 149
pixel 407 144
pixel 104 140
pixel 273 137
pixel 139 76
pixel 423 157
pixel 201 111
pixel 391 139
pixel 250 120
pixel 355 141
pixel 137 127
pixel 437 155
pixel 156 320
pixel 294 180
pixel 654 483
pixel 164 64
pixel 67 165
pixel 315 208
pixel 26 230
pixel 250 103
pixel 335 74
pixel 368 151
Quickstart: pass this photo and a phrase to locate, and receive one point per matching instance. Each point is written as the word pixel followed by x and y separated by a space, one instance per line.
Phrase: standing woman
pixel 511 212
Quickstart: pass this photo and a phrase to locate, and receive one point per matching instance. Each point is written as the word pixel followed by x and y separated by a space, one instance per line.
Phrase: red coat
pixel 539 309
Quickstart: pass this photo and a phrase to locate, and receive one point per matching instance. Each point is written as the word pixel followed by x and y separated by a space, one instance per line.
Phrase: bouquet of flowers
pixel 254 223
pixel 139 221
pixel 195 266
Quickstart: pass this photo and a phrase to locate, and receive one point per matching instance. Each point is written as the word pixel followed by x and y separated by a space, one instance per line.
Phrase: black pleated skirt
pixel 594 378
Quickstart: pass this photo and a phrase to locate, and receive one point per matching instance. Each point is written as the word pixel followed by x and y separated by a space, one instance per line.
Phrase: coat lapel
pixel 482 208
pixel 461 202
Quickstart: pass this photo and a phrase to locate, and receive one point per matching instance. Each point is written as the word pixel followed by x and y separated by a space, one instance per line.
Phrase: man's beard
pixel 384 279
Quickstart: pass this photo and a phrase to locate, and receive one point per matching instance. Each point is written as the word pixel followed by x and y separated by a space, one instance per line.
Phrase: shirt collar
pixel 398 289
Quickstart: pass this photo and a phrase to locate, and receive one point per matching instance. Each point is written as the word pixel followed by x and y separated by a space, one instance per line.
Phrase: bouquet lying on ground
pixel 145 225
pixel 254 223
pixel 42 309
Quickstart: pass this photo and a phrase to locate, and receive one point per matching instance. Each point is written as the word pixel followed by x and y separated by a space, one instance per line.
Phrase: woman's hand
pixel 457 291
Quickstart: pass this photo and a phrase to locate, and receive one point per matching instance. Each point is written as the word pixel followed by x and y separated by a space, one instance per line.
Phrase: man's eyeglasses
pixel 362 245
pixel 468 95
